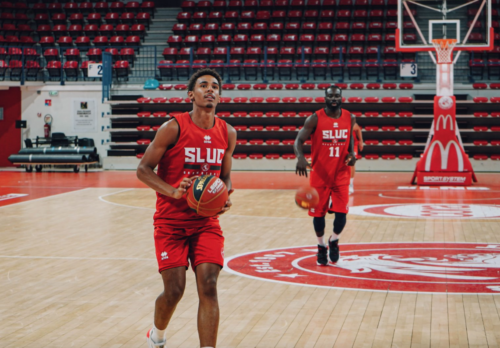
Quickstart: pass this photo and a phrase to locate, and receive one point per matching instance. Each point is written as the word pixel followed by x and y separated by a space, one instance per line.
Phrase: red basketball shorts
pixel 176 245
pixel 340 200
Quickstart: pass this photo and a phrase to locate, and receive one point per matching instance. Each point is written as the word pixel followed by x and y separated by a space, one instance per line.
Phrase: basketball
pixel 306 197
pixel 207 195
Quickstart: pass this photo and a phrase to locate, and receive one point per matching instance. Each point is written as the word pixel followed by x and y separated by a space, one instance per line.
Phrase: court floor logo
pixel 453 211
pixel 398 267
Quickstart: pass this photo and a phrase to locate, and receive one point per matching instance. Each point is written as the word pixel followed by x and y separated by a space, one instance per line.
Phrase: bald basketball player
pixel 183 237
pixel 332 153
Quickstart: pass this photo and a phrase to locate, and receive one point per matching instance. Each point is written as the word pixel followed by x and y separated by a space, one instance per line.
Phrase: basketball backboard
pixel 467 21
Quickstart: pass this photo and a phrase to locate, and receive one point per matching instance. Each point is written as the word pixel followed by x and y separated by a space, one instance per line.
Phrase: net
pixel 444 49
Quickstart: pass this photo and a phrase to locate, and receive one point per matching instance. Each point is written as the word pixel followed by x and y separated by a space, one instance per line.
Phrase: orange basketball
pixel 306 197
pixel 207 195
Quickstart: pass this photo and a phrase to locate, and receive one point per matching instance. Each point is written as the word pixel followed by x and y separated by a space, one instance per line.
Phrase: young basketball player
pixel 332 151
pixel 358 146
pixel 180 234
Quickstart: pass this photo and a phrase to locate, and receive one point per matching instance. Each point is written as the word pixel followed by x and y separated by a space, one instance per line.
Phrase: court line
pixel 74 258
pixel 440 199
pixel 101 198
pixel 42 198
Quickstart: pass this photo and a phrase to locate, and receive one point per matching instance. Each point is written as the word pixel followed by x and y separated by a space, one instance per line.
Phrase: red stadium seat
pixel 256 113
pixel 480 99
pixel 371 100
pixel 240 99
pixel 388 99
pixel 354 99
pixel 289 99
pixel 481 114
pixel 371 128
pixel 143 100
pixel 371 142
pixel 256 156
pixel 239 156
pixel 144 114
pixel 371 113
pixel 256 99
pixel 144 141
pixel 405 99
pixel 371 156
pixel 480 157
pixel 405 128
pixel 357 86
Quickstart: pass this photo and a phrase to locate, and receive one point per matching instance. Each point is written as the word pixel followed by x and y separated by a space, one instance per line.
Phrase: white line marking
pixel 74 258
pixel 441 199
pixel 101 198
pixel 42 198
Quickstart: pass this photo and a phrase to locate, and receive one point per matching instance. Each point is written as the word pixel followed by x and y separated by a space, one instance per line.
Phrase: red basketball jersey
pixel 330 146
pixel 197 152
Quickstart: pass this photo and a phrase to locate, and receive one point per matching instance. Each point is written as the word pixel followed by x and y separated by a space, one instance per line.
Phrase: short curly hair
pixel 203 72
pixel 332 86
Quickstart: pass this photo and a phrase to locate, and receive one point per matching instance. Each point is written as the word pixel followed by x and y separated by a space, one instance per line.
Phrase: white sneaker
pixel 351 189
pixel 153 344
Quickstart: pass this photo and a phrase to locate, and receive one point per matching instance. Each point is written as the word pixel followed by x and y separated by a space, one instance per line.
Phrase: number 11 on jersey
pixel 334 151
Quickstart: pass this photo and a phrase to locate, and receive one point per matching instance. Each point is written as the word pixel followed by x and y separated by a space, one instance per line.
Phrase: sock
pixel 321 241
pixel 333 237
pixel 157 335
pixel 351 183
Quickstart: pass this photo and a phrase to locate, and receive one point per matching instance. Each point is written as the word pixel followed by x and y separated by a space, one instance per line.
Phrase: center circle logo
pixel 430 211
pixel 445 103
pixel 398 267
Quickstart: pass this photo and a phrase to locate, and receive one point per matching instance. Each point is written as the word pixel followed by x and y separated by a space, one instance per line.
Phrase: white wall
pixel 34 109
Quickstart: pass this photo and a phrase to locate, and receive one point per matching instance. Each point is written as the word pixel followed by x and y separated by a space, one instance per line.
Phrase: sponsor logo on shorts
pixel 164 255
pixel 388 267
pixel 216 186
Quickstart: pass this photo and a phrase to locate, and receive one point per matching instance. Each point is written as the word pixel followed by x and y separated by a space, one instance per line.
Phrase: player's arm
pixel 351 157
pixel 304 134
pixel 227 162
pixel 359 134
pixel 166 136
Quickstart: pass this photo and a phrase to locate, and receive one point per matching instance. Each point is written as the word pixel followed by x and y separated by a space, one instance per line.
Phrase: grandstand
pixel 276 58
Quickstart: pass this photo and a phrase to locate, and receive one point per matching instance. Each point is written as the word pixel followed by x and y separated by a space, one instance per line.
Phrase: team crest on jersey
pixel 205 167
pixel 399 267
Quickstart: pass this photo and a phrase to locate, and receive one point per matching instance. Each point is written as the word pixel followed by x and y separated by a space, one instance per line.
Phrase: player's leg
pixel 174 283
pixel 206 252
pixel 318 213
pixel 351 183
pixel 340 205
pixel 208 310
pixel 172 255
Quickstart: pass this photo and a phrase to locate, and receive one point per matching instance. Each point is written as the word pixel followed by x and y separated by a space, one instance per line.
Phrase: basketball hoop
pixel 444 49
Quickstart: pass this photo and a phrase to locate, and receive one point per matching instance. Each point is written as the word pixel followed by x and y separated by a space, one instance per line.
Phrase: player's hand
pixel 350 160
pixel 301 167
pixel 226 207
pixel 361 146
pixel 183 187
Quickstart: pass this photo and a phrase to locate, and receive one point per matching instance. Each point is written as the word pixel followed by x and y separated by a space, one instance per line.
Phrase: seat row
pixel 251 69
pixel 387 100
pixel 340 53
pixel 77 18
pixel 304 86
pixel 81 7
pixel 83 42
pixel 269 5
pixel 314 27
pixel 51 54
pixel 283 16
pixel 55 69
pixel 287 40
pixel 75 30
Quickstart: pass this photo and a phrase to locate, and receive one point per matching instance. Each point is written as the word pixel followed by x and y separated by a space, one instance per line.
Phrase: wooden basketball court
pixel 78 268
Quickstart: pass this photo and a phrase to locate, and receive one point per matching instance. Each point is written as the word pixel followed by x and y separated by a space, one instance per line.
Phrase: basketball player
pixel 190 144
pixel 358 146
pixel 332 151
